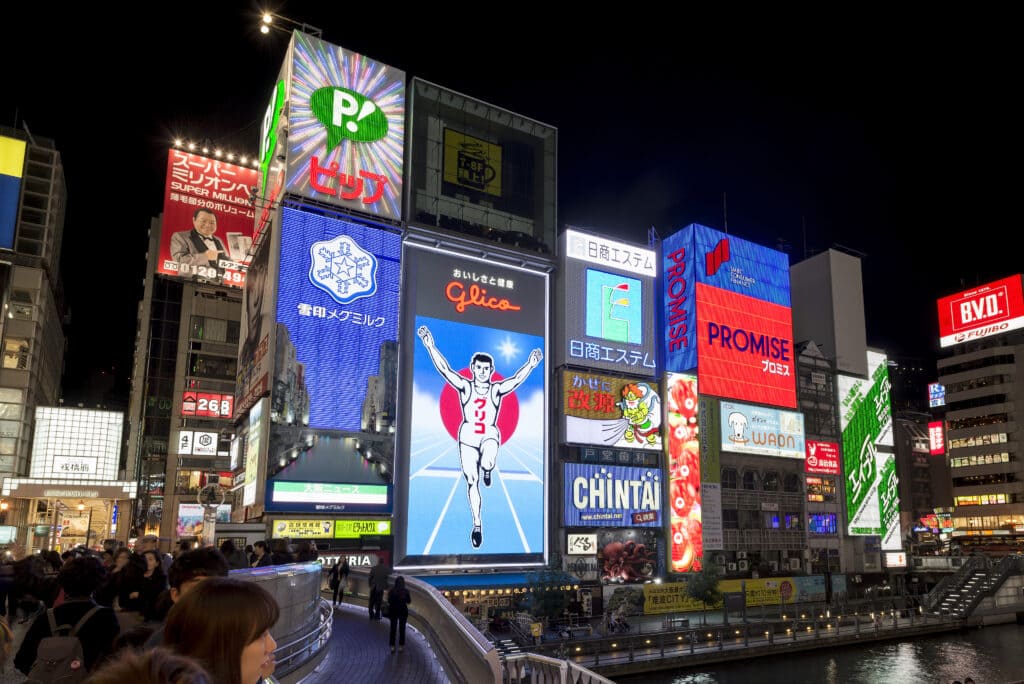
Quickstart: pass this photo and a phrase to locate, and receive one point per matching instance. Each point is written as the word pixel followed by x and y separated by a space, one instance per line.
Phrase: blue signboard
pixel 612 496
pixel 680 302
pixel 337 312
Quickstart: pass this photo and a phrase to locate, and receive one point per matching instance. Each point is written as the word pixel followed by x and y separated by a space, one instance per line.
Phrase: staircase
pixel 959 594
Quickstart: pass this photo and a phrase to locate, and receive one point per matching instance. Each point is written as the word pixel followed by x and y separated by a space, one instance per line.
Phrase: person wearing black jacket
pixel 79 578
pixel 398 611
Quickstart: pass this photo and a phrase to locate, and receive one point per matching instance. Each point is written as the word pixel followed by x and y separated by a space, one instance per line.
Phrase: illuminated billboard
pixel 76 444
pixel 337 315
pixel 207 404
pixel 991 309
pixel 474 424
pixel 936 438
pixel 257 329
pixel 481 170
pixel 822 458
pixel 684 473
pixel 611 412
pixel 208 219
pixel 745 348
pixel 865 416
pixel 936 395
pixel 608 304
pixel 346 128
pixel 696 255
pixel 12 168
pixel 190 519
pixel 611 496
pixel 630 555
pixel 255 436
pixel 758 430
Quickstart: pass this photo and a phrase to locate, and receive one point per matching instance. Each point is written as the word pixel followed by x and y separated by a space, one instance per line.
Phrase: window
pixel 750 520
pixel 791 483
pixel 730 519
pixel 750 480
pixel 820 489
pixel 728 478
pixel 821 523
pixel 792 521
pixel 770 482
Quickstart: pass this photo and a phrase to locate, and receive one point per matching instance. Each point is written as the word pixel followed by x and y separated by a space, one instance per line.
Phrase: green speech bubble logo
pixel 347 114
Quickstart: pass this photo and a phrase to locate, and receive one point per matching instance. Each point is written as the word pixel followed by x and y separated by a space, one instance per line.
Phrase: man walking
pixel 378 585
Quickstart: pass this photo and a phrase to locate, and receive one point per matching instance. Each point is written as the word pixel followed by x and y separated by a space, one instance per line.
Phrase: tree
pixel 703 587
pixel 546 598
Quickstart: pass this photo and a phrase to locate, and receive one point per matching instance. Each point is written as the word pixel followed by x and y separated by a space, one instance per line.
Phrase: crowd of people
pixel 140 615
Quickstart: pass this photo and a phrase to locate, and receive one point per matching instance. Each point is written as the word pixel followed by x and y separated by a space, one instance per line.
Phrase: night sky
pixel 895 137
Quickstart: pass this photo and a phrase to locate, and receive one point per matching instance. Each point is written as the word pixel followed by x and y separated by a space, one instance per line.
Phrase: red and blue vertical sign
pixel 12 168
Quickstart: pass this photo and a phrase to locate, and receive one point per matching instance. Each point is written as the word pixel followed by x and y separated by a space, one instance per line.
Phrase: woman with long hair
pixel 224 623
pixel 152 584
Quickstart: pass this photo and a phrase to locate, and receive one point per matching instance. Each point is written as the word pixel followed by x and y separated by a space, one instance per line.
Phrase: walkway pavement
pixel 358 652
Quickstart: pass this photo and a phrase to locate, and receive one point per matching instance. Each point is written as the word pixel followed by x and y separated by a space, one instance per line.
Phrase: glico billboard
pixel 474 412
pixel 865 416
pixel 346 128
pixel 607 304
pixel 991 309
pixel 207 226
pixel 727 313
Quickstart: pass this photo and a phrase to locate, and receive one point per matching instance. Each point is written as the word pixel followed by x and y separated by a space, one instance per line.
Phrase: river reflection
pixel 993 655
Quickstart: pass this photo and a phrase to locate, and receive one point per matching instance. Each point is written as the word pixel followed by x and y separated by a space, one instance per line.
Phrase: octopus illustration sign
pixel 475 410
pixel 611 412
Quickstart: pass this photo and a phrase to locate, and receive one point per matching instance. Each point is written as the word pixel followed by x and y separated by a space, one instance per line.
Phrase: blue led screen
pixel 337 307
pixel 740 266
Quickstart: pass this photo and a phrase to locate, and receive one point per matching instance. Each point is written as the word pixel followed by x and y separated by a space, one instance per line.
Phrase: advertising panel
pixel 207 404
pixel 337 315
pixel 936 395
pixel 672 597
pixel 872 393
pixel 257 329
pixel 190 519
pixel 253 443
pixel 585 568
pixel 631 555
pixel 208 219
pixel 72 444
pixel 346 122
pixel 745 348
pixel 895 559
pixel 480 169
pixel 709 434
pixel 889 503
pixel 684 473
pixel 12 168
pixel 822 458
pixel 936 438
pixel 757 430
pixel 302 529
pixel 991 309
pixel 696 255
pixel 611 496
pixel 354 529
pixel 476 392
pixel 581 544
pixel 609 304
pixel 611 412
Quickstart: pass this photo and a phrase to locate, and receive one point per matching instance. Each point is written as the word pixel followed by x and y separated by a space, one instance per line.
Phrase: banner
pixel 750 429
pixel 611 496
pixel 684 473
pixel 302 529
pixel 611 412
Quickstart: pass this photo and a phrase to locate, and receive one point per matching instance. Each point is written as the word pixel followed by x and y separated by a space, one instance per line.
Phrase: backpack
pixel 60 657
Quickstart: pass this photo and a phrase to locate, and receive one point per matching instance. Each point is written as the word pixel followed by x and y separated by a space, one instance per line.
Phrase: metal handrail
pixel 531 667
pixel 311 642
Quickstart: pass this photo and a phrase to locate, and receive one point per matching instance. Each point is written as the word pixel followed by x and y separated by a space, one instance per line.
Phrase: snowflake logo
pixel 343 269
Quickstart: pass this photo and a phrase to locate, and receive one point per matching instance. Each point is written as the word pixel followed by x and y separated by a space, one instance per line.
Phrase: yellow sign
pixel 669 598
pixel 303 529
pixel 672 597
pixel 536 629
pixel 353 529
pixel 472 163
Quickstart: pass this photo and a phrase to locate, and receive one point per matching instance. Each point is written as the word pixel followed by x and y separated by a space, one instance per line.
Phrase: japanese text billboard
pixel 208 219
pixel 346 128
pixel 609 304
pixel 936 438
pixel 611 412
pixel 337 315
pixel 206 404
pixel 698 254
pixel 684 473
pixel 12 167
pixel 255 356
pixel 758 430
pixel 822 458
pixel 611 496
pixel 991 309
pixel 474 423
pixel 745 348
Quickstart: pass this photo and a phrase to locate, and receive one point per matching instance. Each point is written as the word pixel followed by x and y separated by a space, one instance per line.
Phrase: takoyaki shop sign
pixel 612 496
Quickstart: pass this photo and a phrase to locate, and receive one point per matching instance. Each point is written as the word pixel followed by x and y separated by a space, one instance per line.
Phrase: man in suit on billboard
pixel 198 247
pixel 479 436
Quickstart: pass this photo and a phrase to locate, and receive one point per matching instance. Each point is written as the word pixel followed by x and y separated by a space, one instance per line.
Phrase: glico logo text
pixel 746 341
pixel 456 293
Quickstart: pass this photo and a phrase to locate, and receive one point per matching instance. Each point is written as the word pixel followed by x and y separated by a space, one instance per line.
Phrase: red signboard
pixel 208 219
pixel 936 438
pixel 822 457
pixel 207 405
pixel 982 311
pixel 744 348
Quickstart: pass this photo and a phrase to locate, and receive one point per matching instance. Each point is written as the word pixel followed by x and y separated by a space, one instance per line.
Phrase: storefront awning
pixel 494 580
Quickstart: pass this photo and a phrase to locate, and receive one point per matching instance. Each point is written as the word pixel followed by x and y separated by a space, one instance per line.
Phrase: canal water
pixel 991 655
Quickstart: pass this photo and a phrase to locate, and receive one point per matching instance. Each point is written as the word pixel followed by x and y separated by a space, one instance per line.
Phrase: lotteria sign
pixel 984 311
pixel 612 496
pixel 348 112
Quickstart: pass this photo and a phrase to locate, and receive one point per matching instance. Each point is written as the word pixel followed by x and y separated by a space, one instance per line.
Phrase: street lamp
pixel 3 512
pixel 268 22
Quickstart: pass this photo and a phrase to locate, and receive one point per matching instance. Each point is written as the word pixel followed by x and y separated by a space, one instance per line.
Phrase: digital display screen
pixel 611 496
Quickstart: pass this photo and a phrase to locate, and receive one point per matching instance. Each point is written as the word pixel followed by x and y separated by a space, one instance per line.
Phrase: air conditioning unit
pixel 773 565
pixel 744 564
pixel 731 567
pixel 720 559
pixel 794 563
pixel 741 555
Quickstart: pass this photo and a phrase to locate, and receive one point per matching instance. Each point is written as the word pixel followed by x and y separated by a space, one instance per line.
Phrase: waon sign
pixel 980 312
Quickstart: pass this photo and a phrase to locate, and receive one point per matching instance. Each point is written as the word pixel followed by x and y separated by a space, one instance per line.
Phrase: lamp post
pixel 268 19
pixel 88 529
